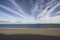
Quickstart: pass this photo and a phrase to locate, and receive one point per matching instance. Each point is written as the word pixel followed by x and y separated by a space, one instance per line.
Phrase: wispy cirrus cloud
pixel 41 11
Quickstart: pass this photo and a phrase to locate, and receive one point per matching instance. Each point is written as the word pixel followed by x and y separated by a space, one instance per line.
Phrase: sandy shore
pixel 50 32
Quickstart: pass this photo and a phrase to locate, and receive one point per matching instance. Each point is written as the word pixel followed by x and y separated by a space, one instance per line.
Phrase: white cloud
pixel 44 13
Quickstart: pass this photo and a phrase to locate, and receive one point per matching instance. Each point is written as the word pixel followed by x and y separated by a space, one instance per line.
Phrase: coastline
pixel 49 32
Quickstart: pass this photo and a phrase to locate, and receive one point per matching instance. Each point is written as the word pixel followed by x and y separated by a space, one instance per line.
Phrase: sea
pixel 29 26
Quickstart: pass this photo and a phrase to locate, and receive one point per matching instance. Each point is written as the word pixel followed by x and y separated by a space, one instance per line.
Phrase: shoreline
pixel 49 32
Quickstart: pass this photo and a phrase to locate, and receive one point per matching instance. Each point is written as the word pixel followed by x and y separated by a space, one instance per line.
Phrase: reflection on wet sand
pixel 27 37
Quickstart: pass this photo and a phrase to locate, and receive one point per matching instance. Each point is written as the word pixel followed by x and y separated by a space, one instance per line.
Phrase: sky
pixel 30 11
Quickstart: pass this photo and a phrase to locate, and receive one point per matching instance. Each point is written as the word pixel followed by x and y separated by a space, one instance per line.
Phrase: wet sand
pixel 27 37
pixel 49 32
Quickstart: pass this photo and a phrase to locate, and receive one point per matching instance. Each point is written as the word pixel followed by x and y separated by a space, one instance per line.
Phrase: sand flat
pixel 50 32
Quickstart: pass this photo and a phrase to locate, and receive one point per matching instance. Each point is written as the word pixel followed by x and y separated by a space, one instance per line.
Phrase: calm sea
pixel 29 25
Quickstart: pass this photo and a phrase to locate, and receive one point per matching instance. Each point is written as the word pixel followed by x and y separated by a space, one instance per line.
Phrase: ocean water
pixel 29 25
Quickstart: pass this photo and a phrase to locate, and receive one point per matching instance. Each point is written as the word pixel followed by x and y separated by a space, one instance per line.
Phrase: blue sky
pixel 27 9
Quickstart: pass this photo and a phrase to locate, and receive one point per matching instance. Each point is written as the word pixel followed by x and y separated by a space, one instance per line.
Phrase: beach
pixel 49 32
